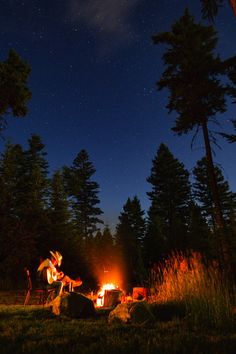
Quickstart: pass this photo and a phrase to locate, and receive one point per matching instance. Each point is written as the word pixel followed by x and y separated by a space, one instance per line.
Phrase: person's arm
pixel 60 275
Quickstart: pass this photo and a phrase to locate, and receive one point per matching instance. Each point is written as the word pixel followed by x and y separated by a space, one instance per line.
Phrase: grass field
pixel 193 310
pixel 34 329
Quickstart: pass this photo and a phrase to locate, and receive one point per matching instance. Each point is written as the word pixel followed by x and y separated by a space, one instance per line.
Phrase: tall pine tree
pixel 14 92
pixel 203 195
pixel 168 215
pixel 129 237
pixel 200 234
pixel 61 228
pixel 83 192
pixel 35 196
pixel 16 243
pixel 193 76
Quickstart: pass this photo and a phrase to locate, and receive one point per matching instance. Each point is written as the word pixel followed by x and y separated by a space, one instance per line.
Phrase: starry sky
pixel 93 80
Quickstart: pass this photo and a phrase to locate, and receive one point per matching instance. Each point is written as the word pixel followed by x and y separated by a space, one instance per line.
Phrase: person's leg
pixel 67 281
pixel 57 286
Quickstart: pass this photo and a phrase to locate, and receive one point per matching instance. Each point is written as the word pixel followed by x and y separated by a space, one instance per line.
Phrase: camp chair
pixel 41 293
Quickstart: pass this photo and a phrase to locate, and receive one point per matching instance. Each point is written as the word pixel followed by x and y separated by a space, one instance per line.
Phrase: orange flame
pixel 101 293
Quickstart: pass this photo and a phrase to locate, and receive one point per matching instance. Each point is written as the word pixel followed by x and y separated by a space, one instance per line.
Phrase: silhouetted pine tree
pixel 83 192
pixel 200 234
pixel 61 229
pixel 104 248
pixel 35 195
pixel 210 8
pixel 14 92
pixel 102 256
pixel 129 237
pixel 168 215
pixel 202 192
pixel 16 244
pixel 193 75
pixel 12 161
pixel 231 138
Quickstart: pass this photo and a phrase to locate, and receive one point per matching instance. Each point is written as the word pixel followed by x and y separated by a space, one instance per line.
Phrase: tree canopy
pixel 14 91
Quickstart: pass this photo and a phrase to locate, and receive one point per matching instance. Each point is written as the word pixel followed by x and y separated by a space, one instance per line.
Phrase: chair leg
pixel 27 298
pixel 45 298
pixel 41 298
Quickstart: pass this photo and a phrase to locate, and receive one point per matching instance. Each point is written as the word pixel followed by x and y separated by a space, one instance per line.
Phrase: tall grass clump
pixel 208 295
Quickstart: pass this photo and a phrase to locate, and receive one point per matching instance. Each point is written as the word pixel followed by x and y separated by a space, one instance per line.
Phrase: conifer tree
pixel 210 8
pixel 16 243
pixel 231 138
pixel 34 201
pixel 155 241
pixel 197 93
pixel 202 192
pixel 129 237
pixel 200 235
pixel 168 215
pixel 102 256
pixel 83 192
pixel 104 245
pixel 12 161
pixel 61 228
pixel 14 92
pixel 36 175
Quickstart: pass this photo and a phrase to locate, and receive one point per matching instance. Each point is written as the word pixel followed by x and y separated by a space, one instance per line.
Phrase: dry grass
pixel 208 296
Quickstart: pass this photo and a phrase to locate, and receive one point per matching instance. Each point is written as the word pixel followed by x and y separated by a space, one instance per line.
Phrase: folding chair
pixel 41 293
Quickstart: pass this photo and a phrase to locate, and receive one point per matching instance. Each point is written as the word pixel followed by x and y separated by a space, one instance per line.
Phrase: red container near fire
pixel 140 293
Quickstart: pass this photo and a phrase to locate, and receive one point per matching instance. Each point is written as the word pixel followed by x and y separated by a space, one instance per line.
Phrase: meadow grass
pixel 191 302
pixel 209 298
pixel 34 329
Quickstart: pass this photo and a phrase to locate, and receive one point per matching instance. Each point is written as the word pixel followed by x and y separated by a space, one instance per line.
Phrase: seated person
pixel 55 280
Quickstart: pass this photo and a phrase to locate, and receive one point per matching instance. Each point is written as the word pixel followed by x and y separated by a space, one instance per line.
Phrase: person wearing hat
pixel 48 272
pixel 66 280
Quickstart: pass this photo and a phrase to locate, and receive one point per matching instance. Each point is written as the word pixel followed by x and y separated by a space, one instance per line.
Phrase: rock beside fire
pixel 136 312
pixel 75 305
pixel 120 314
pixel 140 313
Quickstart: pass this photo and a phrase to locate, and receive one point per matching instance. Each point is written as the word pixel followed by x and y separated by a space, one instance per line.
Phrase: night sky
pixel 93 80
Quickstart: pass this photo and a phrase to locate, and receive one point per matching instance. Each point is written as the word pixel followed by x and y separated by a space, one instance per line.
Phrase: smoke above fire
pixel 110 271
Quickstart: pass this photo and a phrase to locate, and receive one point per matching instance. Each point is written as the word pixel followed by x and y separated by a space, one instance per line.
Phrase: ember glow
pixel 101 293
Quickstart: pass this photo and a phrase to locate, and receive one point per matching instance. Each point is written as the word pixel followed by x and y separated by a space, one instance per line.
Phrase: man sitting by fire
pixel 48 273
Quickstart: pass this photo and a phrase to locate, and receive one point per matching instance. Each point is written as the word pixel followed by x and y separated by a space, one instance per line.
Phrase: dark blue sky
pixel 94 73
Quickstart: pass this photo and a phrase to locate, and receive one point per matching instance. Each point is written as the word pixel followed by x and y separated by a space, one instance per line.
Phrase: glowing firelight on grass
pixel 101 293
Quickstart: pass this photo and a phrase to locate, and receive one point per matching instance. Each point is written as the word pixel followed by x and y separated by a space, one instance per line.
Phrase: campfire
pixel 108 292
pixel 112 289
pixel 110 282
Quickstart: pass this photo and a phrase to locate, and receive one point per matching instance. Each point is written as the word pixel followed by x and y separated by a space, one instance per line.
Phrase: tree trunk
pixel 223 247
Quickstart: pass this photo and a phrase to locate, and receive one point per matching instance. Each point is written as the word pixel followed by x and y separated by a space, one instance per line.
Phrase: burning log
pixel 109 295
pixel 112 298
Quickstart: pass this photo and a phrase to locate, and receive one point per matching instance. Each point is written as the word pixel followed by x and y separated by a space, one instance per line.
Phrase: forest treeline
pixel 40 212
pixel 197 211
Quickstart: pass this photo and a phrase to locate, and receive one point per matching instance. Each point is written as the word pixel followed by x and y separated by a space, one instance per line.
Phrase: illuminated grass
pixel 208 297
pixel 35 330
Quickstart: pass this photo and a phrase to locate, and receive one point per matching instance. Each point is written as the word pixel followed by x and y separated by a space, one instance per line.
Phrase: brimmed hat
pixel 57 256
